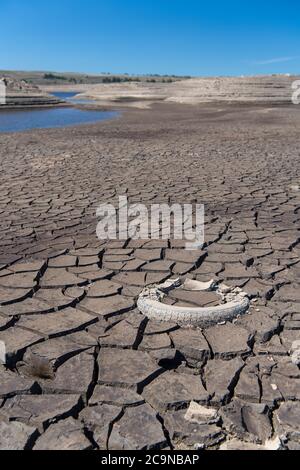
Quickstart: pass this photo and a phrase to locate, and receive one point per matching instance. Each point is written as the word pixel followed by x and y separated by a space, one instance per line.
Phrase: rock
pixel 148 255
pixel 40 410
pixel 260 325
pixel 136 279
pixel 103 288
pixel 36 266
pixel 16 436
pixel 293 445
pixel 257 421
pixel 288 293
pixel 272 347
pixel 228 340
pixel 92 275
pixel 238 271
pixel 182 268
pixel 53 353
pixel 201 414
pixel 192 345
pixel 289 389
pixel 235 444
pixel 64 261
pixel 115 396
pixel 5 321
pixel 155 342
pixel 174 391
pixel 295 350
pixel 249 421
pixel 155 327
pixel 59 323
pixel 28 307
pixel 66 435
pixel 57 299
pixel 16 340
pixel 12 384
pixel 221 378
pixel 185 256
pixel 10 296
pixel 288 339
pixel 19 280
pixel 191 434
pixel 296 357
pixel 75 376
pixel 129 434
pixel 285 367
pixel 287 420
pixel 60 278
pixel 122 335
pixel 248 385
pixel 256 289
pixel 126 368
pixel 98 420
pixel 270 392
pixel 167 358
pixel 133 265
pixel 108 306
pixel 158 266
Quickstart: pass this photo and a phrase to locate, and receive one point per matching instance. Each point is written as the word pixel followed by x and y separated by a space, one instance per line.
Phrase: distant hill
pixel 55 78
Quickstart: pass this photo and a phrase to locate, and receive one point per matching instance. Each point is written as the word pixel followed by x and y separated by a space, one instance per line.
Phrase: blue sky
pixel 185 37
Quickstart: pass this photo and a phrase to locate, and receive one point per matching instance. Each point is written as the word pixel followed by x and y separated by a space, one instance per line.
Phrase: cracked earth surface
pixel 84 368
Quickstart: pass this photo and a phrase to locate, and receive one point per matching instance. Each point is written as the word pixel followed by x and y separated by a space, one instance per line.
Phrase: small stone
pixel 191 434
pixel 201 415
pixel 296 357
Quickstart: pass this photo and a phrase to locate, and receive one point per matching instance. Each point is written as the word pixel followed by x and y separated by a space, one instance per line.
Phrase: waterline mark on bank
pixel 159 222
pixel 296 93
pixel 2 92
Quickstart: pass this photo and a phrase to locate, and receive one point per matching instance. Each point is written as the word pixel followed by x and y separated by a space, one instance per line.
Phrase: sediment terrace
pixel 275 89
pixel 84 368
pixel 20 94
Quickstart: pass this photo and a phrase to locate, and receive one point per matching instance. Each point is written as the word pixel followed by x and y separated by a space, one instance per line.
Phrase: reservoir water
pixel 26 119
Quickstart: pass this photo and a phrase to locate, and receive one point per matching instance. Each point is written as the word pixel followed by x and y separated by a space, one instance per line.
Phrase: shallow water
pixel 69 97
pixel 22 120
pixel 63 95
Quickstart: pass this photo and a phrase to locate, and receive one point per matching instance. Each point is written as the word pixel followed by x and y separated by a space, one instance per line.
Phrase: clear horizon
pixel 166 38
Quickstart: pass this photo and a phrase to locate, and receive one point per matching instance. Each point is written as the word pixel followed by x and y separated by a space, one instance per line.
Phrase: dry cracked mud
pixel 83 367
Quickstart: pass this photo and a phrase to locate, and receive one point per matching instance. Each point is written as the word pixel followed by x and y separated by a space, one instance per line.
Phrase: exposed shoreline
pixel 77 346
